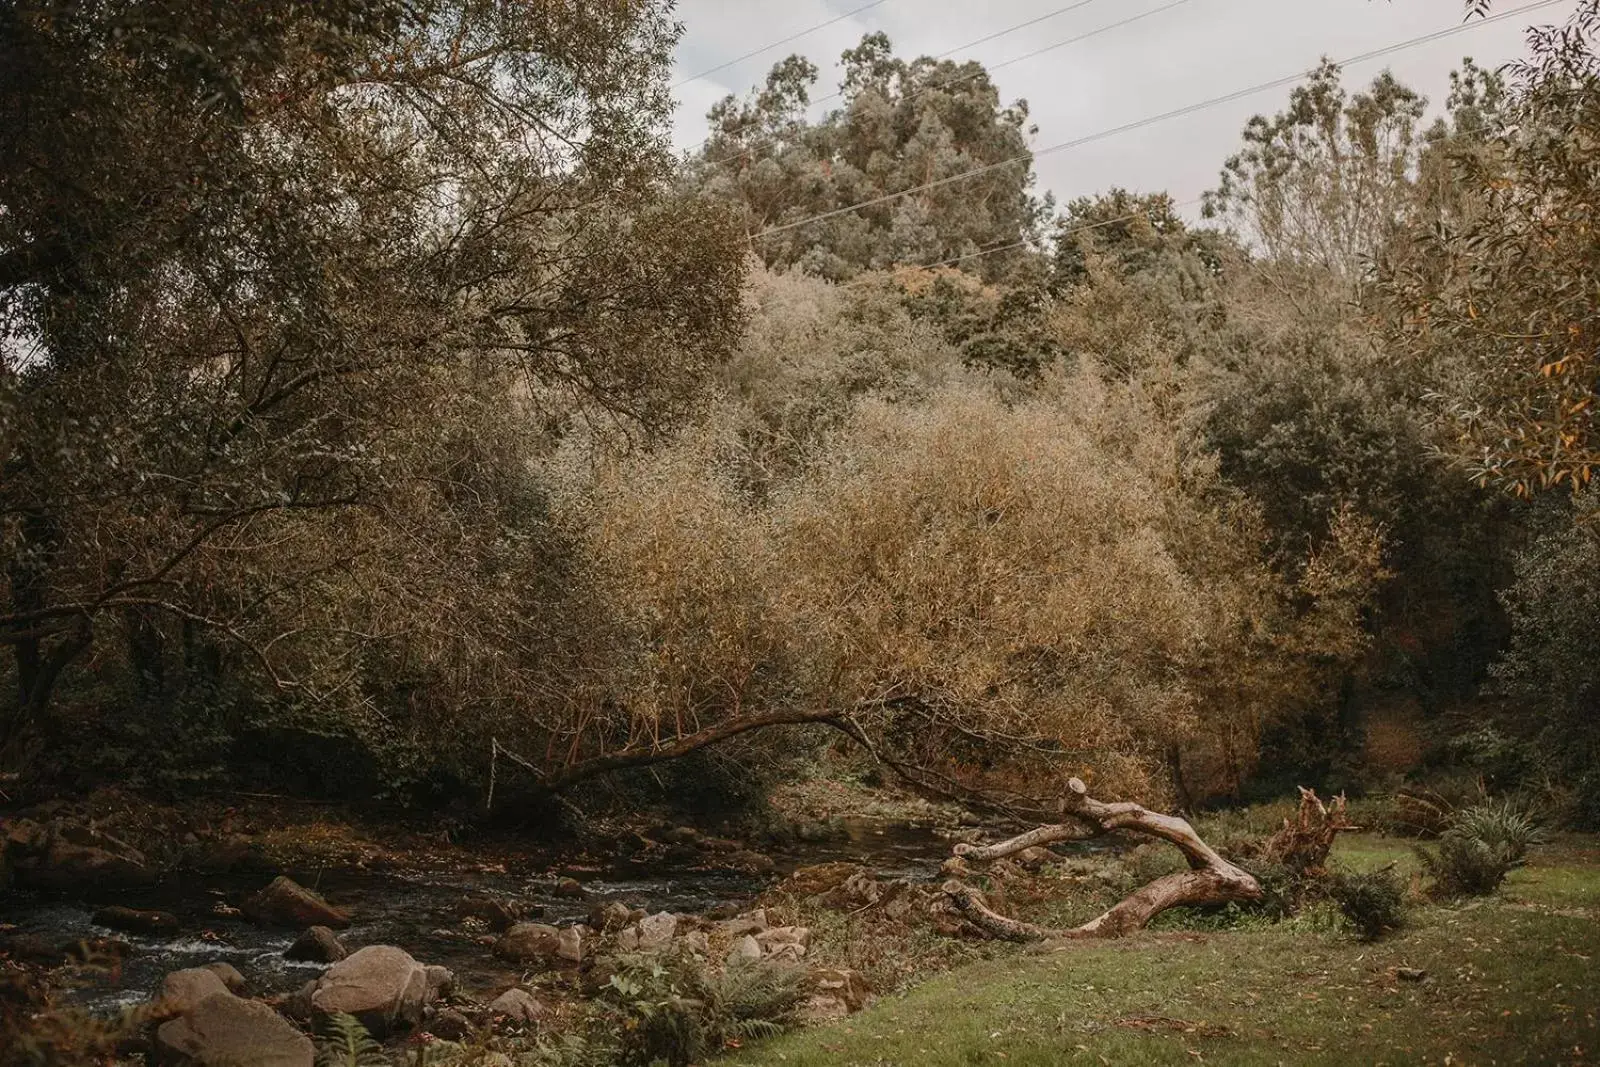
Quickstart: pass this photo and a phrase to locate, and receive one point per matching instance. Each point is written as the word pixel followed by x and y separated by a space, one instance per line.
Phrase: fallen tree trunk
pixel 1210 879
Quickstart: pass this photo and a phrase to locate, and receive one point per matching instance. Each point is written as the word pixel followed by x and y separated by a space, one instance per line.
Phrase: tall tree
pixel 1324 182
pixel 251 258
pixel 1500 301
pixel 934 130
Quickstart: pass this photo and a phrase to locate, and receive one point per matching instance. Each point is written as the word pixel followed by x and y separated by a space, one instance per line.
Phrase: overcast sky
pixel 1181 52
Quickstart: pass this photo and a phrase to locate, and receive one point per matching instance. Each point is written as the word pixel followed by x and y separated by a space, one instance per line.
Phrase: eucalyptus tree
pixel 942 167
pixel 1324 182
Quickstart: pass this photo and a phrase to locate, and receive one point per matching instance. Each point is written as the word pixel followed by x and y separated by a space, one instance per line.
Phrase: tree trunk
pixel 1210 879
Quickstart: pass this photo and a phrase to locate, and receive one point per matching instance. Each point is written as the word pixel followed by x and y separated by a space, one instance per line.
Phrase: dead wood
pixel 1210 879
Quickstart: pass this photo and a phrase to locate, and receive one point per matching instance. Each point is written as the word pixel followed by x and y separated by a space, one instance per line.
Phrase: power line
pixel 778 44
pixel 1066 9
pixel 1152 120
pixel 1067 232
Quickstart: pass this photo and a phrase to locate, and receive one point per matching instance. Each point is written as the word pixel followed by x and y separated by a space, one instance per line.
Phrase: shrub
pixel 1373 902
pixel 673 1010
pixel 1482 844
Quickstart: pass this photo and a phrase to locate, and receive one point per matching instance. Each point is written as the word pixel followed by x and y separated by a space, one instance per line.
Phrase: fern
pixel 343 1042
pixel 754 1029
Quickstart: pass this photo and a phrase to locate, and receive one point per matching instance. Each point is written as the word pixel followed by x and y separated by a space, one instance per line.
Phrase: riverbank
pixel 1514 978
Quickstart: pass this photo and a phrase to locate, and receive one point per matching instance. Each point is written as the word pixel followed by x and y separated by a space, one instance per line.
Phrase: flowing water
pixel 417 910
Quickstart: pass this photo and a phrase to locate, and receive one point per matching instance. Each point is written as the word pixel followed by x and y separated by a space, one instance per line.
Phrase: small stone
pixel 450 1025
pixel 528 941
pixel 745 948
pixel 569 944
pixel 317 945
pixel 1410 974
pixel 518 1005
pixel 655 931
pixel 696 941
pixel 498 914
pixel 751 922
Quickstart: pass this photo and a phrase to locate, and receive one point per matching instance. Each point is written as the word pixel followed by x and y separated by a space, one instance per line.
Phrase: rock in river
pixel 381 985
pixel 317 945
pixel 287 903
pixel 136 921
pixel 183 991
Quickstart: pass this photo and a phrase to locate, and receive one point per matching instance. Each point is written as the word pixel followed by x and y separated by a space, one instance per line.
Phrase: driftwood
pixel 1210 879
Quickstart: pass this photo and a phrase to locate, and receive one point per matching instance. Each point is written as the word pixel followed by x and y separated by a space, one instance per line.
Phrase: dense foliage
pixel 384 410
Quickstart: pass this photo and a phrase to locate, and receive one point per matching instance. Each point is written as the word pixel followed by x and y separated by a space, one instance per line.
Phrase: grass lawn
pixel 1511 979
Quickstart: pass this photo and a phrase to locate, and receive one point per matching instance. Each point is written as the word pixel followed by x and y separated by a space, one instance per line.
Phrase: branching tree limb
pixel 1210 879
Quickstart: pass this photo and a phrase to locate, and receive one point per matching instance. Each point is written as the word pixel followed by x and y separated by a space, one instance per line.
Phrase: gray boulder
pixel 182 991
pixel 229 974
pixel 381 985
pixel 225 1031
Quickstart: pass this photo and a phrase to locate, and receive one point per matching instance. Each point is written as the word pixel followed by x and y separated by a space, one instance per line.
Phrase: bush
pixel 673 1010
pixel 1372 902
pixel 1482 844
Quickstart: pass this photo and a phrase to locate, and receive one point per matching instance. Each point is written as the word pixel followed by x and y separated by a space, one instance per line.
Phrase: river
pixel 417 910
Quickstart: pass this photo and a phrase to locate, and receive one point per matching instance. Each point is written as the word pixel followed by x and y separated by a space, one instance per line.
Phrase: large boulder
pixel 381 985
pixel 225 1031
pixel 317 945
pixel 136 920
pixel 229 974
pixel 183 991
pixel 287 903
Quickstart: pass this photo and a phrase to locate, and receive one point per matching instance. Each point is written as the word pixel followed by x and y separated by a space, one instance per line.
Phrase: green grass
pixel 1510 979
